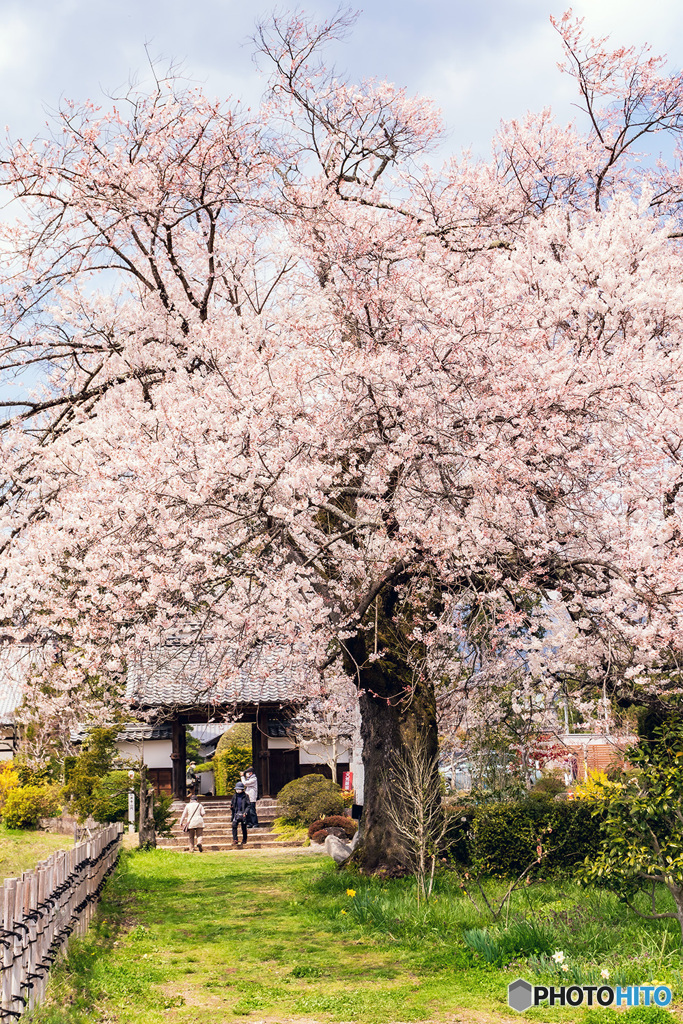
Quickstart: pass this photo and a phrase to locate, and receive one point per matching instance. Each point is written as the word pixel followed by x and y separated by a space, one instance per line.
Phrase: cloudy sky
pixel 481 61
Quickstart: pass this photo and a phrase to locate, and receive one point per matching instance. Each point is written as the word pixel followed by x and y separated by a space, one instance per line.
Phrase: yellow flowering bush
pixel 593 787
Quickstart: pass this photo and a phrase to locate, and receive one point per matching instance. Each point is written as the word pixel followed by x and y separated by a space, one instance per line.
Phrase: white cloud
pixel 478 89
pixel 481 61
pixel 16 42
pixel 481 77
pixel 659 22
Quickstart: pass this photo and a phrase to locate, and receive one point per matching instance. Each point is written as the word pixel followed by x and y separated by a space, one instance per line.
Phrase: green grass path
pixel 208 939
pixel 271 938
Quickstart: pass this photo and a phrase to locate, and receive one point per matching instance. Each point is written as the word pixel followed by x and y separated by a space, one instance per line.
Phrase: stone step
pixel 227 815
pixel 214 820
pixel 224 826
pixel 272 812
pixel 219 837
pixel 265 810
pixel 209 836
pixel 265 826
pixel 225 847
pixel 227 841
pixel 203 798
pixel 210 830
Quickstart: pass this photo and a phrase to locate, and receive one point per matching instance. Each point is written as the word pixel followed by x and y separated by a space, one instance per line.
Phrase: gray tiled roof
pixel 184 676
pixel 132 733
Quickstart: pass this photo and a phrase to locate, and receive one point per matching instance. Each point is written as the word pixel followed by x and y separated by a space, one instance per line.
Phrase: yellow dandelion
pixel 351 892
pixel 343 911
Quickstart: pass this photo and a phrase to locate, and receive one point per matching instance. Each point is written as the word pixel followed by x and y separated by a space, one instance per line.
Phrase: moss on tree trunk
pixel 398 710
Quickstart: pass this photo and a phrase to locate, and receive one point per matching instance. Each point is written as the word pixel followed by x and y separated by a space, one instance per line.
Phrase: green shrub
pixel 163 818
pixel 501 839
pixel 25 805
pixel 110 801
pixel 634 1015
pixel 68 766
pixel 238 735
pixel 9 780
pixel 109 798
pixel 228 766
pixel 88 770
pixel 548 786
pixel 233 756
pixel 333 821
pixel 38 774
pixel 500 946
pixel 310 798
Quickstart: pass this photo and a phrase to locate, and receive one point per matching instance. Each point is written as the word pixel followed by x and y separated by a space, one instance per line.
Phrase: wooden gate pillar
pixel 178 760
pixel 260 752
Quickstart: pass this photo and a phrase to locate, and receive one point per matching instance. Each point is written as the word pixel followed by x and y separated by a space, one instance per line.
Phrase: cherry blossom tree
pixel 295 385
pixel 55 703
pixel 327 725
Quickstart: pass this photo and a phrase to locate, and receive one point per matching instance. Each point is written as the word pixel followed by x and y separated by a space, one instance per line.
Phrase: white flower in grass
pixel 564 967
pixel 558 957
pixel 604 973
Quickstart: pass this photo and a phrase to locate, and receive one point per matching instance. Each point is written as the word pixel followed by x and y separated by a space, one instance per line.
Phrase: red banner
pixel 347 781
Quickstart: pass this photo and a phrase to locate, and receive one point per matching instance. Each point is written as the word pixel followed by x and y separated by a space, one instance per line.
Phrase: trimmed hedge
pixel 501 839
pixel 310 798
pixel 323 825
pixel 228 766
pixel 238 735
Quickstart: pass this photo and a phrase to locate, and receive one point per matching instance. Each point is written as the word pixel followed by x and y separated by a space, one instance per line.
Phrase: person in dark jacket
pixel 239 805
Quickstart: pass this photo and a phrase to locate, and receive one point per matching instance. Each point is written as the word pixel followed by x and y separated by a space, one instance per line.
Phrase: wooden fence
pixel 43 908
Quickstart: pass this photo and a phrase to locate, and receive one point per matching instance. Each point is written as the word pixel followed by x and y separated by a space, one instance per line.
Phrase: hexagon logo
pixel 520 995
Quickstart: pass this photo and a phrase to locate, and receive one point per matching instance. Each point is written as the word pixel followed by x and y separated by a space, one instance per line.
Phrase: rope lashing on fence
pixel 42 909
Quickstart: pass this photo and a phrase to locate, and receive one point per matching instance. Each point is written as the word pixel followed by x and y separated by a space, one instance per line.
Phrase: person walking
pixel 251 789
pixel 192 822
pixel 239 805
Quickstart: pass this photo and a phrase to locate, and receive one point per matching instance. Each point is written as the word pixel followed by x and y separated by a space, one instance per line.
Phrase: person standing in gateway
pixel 251 789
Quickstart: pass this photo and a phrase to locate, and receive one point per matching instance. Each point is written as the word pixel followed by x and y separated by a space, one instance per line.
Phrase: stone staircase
pixel 218 830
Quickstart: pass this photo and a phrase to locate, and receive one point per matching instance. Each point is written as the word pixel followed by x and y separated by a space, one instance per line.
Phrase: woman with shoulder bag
pixel 192 822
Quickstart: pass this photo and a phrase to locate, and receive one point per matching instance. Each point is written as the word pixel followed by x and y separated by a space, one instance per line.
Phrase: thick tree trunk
pixel 397 712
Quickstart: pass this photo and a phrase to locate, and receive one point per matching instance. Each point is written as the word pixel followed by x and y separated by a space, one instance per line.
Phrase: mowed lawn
pixel 207 938
pixel 203 939
pixel 21 850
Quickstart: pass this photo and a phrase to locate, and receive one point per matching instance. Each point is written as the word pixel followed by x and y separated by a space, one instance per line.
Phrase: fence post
pixel 8 948
pixel 39 913
pixel 40 948
pixel 31 915
pixel 18 946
